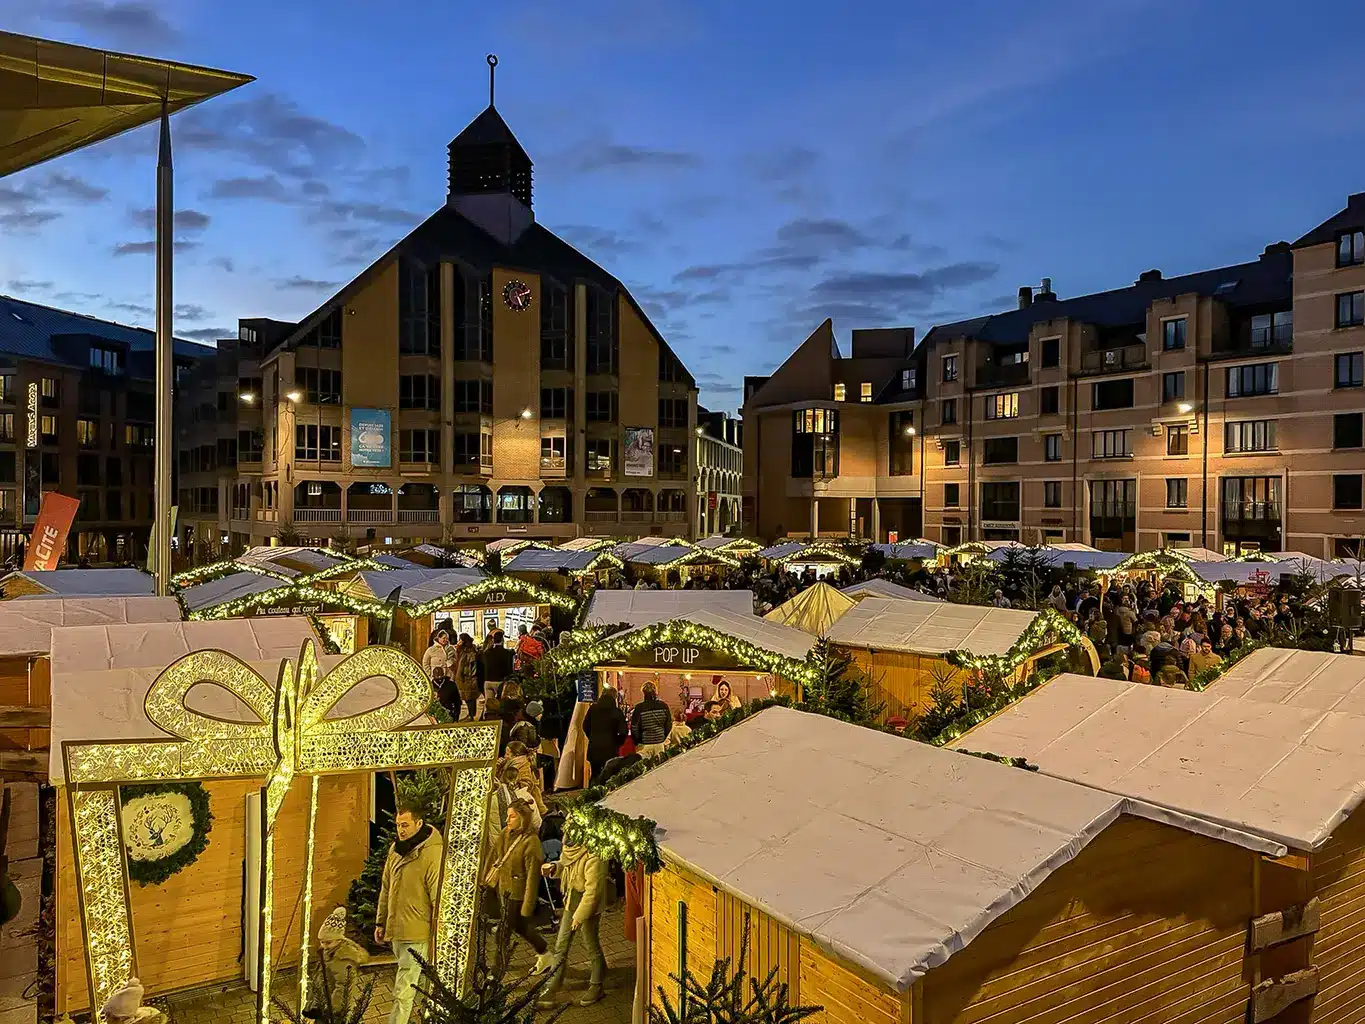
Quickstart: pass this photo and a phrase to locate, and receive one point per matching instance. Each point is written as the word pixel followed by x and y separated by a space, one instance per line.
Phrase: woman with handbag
pixel 514 875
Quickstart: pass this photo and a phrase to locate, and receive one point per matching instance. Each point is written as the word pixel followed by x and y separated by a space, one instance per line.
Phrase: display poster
pixel 639 455
pixel 370 438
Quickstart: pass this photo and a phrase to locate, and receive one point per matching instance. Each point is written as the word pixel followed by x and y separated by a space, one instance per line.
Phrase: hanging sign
pixel 680 656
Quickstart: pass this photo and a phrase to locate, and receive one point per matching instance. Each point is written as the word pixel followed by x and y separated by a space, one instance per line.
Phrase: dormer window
pixel 1350 248
pixel 908 379
pixel 106 359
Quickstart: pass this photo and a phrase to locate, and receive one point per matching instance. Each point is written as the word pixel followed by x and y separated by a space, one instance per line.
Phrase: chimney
pixel 1275 249
pixel 1148 275
pixel 1045 293
pixel 1025 297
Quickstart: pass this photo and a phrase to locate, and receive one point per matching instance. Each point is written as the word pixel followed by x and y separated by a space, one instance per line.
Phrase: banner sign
pixel 370 438
pixel 586 685
pixel 638 459
pixel 48 541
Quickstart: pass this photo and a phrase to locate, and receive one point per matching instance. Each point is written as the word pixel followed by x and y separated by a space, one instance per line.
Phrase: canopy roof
pixel 1267 571
pixel 553 560
pixel 732 544
pixel 57 97
pixel 586 544
pixel 26 626
pixel 813 610
pixel 310 559
pixel 889 854
pixel 202 596
pixel 885 588
pixel 88 582
pixel 1301 679
pixel 641 607
pixel 509 545
pixel 926 627
pixel 1082 556
pixel 1289 774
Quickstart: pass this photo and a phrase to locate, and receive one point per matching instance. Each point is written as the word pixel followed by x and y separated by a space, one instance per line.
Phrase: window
pixel 1002 407
pixel 6 387
pixel 949 368
pixel 105 359
pixel 908 379
pixel 840 392
pixel 8 468
pixel 952 453
pixel 555 352
pixel 1052 448
pixel 113 505
pixel 1049 401
pixel 327 334
pixel 1000 451
pixel 47 427
pixel 313 443
pixel 672 461
pixel 1177 439
pixel 1052 353
pixel 88 470
pixel 601 339
pixel 554 403
pixel 1052 494
pixel 1112 394
pixel 815 443
pixel 250 445
pixel 418 391
pixel 113 472
pixel 671 367
pixel 865 391
pixel 1348 430
pixel 50 465
pixel 1250 436
pixel 320 387
pixel 1109 444
pixel 1177 492
pixel 474 396
pixel 473 451
pixel 1272 329
pixel 552 448
pixel 7 426
pixel 900 430
pixel 1351 309
pixel 1350 369
pixel 419 446
pixel 949 414
pixel 952 495
pixel 1346 491
pixel 600 458
pixel 1173 386
pixel 950 535
pixel 1173 334
pixel 1000 501
pixel 88 433
pixel 601 406
pixel 1256 379
pixel 673 413
pixel 50 391
pixel 419 308
pixel 1350 248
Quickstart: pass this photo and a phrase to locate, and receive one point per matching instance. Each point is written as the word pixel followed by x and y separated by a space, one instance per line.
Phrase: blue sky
pixel 747 169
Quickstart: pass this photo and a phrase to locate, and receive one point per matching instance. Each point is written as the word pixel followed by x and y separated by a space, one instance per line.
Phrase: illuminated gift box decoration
pixel 293 735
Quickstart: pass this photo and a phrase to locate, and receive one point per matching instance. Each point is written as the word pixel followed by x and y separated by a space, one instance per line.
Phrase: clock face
pixel 517 295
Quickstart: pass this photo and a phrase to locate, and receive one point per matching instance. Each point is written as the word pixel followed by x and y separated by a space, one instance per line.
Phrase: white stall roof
pixel 419 585
pixel 88 582
pixel 888 853
pixel 1289 774
pixel 228 588
pixel 909 550
pixel 885 588
pixel 658 554
pixel 1269 572
pixel 716 543
pixel 550 560
pixel 268 556
pixel 1081 556
pixel 924 627
pixel 26 626
pixel 585 544
pixel 1301 679
pixel 394 561
pixel 641 607
pixel 771 636
pixel 99 648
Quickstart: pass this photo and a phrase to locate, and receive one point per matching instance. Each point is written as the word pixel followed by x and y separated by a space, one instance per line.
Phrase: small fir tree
pixel 837 687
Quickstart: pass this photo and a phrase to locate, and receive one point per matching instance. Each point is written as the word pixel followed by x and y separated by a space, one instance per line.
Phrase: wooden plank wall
pixel 847 995
pixel 901 681
pixel 189 929
pixel 668 888
pixel 1339 946
pixel 1148 923
pixel 24 682
pixel 771 944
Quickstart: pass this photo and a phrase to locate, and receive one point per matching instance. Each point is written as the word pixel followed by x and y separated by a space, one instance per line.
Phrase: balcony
pixel 419 515
pixel 1251 512
pixel 670 517
pixel 316 515
pixel 367 515
pixel 600 517
pixel 1256 341
pixel 553 466
pixel 1008 375
pixel 1114 360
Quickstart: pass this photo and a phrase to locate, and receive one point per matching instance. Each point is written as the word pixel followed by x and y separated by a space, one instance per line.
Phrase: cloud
pixel 717 384
pixel 598 241
pixel 132 21
pixel 68 186
pixel 190 311
pixel 306 284
pixel 267 186
pixel 914 290
pixel 274 134
pixel 148 248
pixel 29 204
pixel 600 155
pixel 19 284
pixel 187 221
pixel 207 333
pixel 223 263
pixel 134 308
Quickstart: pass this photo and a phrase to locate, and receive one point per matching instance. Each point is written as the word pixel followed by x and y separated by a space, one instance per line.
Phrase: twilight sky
pixel 747 169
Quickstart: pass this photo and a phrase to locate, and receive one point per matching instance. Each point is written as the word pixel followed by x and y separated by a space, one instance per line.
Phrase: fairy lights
pixel 294 734
pixel 511 588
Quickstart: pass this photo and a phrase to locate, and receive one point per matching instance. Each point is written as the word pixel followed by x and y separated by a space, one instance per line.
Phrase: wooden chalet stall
pixel 77 583
pixel 905 648
pixel 813 610
pixel 251 595
pixel 557 569
pixel 26 669
pixel 885 588
pixel 641 607
pixel 295 560
pixel 587 544
pixel 914 554
pixel 1291 772
pixel 735 547
pixel 797 556
pixel 893 882
pixel 673 565
pixel 189 929
pixel 430 556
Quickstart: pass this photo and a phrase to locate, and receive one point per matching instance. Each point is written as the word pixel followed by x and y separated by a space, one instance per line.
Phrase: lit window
pixel 1002 407
pixel 865 391
pixel 839 392
pixel 1177 492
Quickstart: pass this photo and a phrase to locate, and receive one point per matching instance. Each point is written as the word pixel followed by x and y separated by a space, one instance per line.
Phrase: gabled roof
pixel 887 589
pixel 889 854
pixel 909 550
pixel 202 596
pixel 813 610
pixel 930 627
pixel 1351 218
pixel 1303 679
pixel 1289 774
pixel 641 607
pixel 735 545
pixel 552 560
pixel 418 585
pixel 488 129
pixel 86 583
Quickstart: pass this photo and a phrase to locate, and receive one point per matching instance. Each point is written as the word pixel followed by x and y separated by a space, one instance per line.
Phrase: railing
pixel 555 465
pixel 1002 375
pixel 670 517
pixel 635 517
pixel 419 515
pixel 315 515
pixel 369 515
pixel 1114 360
pixel 268 515
pixel 1251 511
pixel 600 517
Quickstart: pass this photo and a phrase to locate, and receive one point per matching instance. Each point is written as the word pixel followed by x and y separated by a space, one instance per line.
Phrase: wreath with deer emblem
pixel 165 828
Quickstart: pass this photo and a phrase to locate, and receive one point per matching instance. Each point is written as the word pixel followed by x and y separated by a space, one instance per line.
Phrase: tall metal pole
pixel 165 364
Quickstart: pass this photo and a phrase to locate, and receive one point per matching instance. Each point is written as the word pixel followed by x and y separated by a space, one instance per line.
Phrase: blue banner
pixel 370 438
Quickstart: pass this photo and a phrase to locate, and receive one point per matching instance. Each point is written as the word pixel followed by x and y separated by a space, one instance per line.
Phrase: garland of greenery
pixel 250 603
pixel 1013 762
pixel 329 642
pixel 472 592
pixel 1201 679
pixel 154 872
pixel 1048 627
pixel 1164 561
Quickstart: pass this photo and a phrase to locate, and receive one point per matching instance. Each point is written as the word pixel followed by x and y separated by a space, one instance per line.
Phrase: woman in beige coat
pixel 514 873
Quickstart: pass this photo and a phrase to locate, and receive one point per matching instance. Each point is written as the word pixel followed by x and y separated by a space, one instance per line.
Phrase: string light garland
pixel 216 570
pixel 1167 562
pixel 1200 680
pixel 1049 627
pixel 514 588
pixel 816 551
pixel 612 836
pixel 300 592
pixel 690 556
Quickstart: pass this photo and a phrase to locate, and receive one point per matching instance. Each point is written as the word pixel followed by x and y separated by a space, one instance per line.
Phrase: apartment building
pixel 481 379
pixel 720 472
pixel 78 416
pixel 1220 409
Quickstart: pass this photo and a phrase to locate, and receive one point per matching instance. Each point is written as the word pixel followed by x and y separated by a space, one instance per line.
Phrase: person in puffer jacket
pixel 583 877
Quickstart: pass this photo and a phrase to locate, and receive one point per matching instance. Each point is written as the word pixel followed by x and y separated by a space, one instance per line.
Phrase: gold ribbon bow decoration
pixel 300 728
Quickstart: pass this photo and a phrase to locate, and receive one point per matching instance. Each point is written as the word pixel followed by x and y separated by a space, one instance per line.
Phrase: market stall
pixel 674 565
pixel 906 648
pixel 557 569
pixel 889 881
pixel 735 547
pixel 813 610
pixel 798 557
pixel 641 607
pixel 885 588
pixel 338 618
pixel 77 583
pixel 587 544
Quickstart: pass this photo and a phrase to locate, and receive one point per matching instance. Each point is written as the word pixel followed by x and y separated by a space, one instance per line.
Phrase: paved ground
pixel 235 1004
pixel 18 947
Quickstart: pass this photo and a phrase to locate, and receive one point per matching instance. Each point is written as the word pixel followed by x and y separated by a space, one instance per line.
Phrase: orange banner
pixel 48 540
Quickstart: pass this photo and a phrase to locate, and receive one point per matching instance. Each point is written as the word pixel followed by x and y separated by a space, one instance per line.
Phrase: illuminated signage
pixel 33 415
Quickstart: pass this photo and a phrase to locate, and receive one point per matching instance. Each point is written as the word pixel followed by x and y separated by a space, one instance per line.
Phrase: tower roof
pixel 488 129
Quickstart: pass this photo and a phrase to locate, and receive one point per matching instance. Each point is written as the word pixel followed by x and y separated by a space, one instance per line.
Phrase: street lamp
pixel 294 396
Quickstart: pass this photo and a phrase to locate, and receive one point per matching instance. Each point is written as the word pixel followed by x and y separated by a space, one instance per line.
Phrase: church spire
pixel 486 157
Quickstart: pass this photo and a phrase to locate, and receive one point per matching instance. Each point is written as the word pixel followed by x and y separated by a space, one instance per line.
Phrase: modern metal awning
pixel 57 97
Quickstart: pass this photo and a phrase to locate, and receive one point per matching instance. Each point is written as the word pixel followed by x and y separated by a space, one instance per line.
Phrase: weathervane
pixel 492 71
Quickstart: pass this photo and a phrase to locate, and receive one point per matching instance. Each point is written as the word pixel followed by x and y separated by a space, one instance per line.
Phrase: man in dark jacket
pixel 650 723
pixel 495 661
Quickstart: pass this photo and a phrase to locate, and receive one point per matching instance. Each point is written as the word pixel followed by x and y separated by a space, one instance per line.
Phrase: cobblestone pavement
pixel 236 1004
pixel 18 947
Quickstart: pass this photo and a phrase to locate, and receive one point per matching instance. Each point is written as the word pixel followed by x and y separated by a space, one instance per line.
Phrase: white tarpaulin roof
pixel 550 560
pixel 641 607
pixel 890 854
pixel 1289 774
pixel 89 582
pixel 1301 679
pixel 1269 572
pixel 1081 556
pixel 228 588
pixel 266 555
pixel 26 626
pixel 925 627
pixel 885 588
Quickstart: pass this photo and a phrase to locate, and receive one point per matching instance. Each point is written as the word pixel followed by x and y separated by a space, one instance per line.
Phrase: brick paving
pixel 236 1004
pixel 18 944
